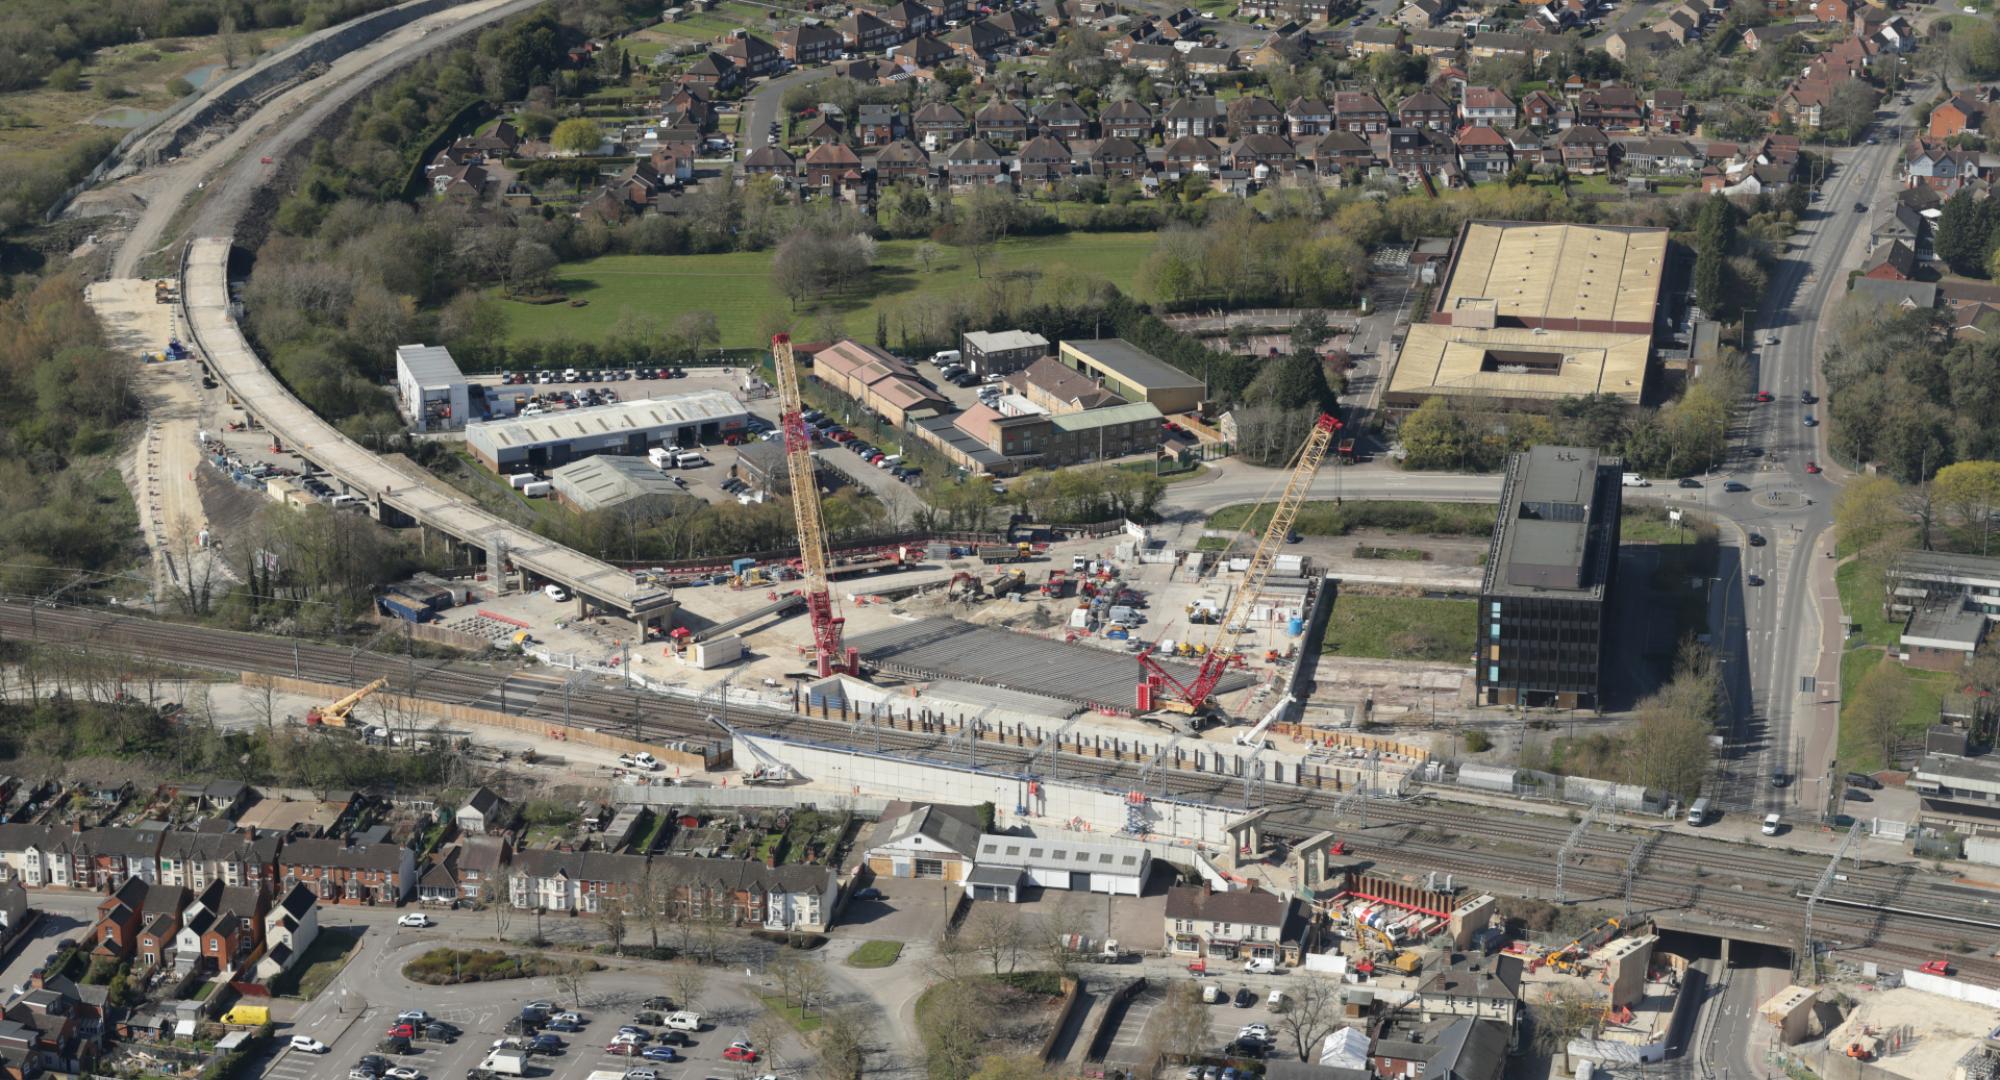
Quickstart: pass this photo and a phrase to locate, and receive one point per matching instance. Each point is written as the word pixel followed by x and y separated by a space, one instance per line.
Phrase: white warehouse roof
pixel 680 410
pixel 1043 853
pixel 430 365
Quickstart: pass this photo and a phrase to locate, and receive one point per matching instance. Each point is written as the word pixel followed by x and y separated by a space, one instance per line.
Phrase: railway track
pixel 1890 909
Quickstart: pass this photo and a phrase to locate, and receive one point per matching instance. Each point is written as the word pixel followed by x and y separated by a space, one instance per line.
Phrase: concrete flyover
pixel 395 497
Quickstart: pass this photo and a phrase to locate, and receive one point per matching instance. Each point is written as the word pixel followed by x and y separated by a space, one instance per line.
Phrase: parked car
pixel 306 1044
pixel 1863 780
pixel 738 1053
pixel 623 1049
pixel 659 1053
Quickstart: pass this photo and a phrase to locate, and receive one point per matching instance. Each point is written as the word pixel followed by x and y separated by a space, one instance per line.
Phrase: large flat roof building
pixel 1544 602
pixel 1528 314
pixel 628 427
pixel 1134 374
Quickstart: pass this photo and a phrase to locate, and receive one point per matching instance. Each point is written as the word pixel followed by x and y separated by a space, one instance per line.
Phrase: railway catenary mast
pixel 826 621
pixel 1194 696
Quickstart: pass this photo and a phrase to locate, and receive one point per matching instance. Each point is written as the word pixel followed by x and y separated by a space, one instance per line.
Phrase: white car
pixel 404 1072
pixel 567 1018
pixel 632 1037
pixel 646 761
pixel 306 1044
pixel 1254 1031
pixel 415 918
pixel 414 1016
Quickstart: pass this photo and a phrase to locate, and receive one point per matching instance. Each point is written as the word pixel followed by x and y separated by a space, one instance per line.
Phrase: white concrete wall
pixel 1945 986
pixel 1058 807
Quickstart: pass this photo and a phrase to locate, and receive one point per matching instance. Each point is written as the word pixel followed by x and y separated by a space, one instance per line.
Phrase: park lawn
pixel 875 954
pixel 736 286
pixel 322 962
pixel 1925 693
pixel 1401 628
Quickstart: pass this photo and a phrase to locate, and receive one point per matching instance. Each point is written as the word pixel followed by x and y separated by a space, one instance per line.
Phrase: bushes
pixel 450 967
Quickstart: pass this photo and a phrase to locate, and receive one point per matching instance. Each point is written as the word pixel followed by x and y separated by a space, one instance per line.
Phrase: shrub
pixel 1478 742
pixel 449 967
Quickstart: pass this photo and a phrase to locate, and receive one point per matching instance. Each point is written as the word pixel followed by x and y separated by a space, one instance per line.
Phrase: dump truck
pixel 1057 584
pixel 1006 553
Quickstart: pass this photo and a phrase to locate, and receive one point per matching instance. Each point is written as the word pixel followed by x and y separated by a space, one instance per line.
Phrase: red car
pixel 738 1053
pixel 1812 467
pixel 1937 967
pixel 402 1031
pixel 627 1049
pixel 1763 395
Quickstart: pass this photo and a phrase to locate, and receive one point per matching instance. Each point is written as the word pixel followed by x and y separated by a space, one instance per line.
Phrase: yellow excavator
pixel 335 715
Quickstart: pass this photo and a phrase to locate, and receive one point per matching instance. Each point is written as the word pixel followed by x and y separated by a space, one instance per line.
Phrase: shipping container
pixel 520 480
pixel 536 490
pixel 716 653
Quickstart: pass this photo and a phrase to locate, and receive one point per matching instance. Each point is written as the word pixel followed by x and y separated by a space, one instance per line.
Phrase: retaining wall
pixel 1055 807
pixel 550 731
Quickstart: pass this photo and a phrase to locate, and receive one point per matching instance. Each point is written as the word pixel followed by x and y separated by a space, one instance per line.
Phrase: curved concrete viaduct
pixel 394 496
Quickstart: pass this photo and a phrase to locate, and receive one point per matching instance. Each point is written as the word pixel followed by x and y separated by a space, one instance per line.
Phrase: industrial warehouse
pixel 535 443
pixel 1531 314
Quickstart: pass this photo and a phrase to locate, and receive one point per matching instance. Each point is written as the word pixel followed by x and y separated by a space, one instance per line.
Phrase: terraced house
pixel 350 870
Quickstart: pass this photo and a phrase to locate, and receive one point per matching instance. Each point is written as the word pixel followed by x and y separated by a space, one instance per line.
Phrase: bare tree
pixel 614 926
pixel 1059 928
pixel 995 932
pixel 569 981
pixel 1183 1022
pixel 496 893
pixel 685 985
pixel 1566 1013
pixel 811 985
pixel 1313 1013
pixel 839 1051
pixel 784 970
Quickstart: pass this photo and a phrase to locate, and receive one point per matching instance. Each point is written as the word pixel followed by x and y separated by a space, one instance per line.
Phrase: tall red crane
pixel 1194 696
pixel 826 620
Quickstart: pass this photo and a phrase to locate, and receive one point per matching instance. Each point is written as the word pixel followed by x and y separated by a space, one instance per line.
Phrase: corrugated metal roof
pixel 1092 419
pixel 607 480
pixel 679 410
pixel 1131 364
pixel 429 365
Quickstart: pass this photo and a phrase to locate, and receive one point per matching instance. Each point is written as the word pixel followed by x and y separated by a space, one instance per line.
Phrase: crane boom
pixel 826 621
pixel 1192 697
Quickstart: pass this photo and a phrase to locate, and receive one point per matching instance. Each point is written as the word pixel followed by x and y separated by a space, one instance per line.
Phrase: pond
pixel 123 117
pixel 200 76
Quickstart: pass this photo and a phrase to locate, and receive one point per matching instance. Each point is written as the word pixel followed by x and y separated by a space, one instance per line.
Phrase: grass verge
pixel 875 954
pixel 1401 628
pixel 1339 519
pixel 793 1014
pixel 1860 582
pixel 323 961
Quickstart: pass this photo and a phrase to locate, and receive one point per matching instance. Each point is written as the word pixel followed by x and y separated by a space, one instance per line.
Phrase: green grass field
pixel 1401 628
pixel 1339 519
pixel 1924 691
pixel 1860 583
pixel 875 954
pixel 737 286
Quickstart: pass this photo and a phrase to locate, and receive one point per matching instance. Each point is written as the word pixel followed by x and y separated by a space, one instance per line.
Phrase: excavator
pixel 335 715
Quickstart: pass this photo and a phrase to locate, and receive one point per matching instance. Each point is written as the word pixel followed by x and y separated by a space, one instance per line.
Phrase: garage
pixel 1071 865
pixel 994 884
pixel 930 868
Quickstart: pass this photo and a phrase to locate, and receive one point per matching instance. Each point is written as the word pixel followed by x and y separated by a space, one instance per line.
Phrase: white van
pixel 1772 823
pixel 661 457
pixel 1633 479
pixel 1698 813
pixel 684 1021
pixel 1260 965
pixel 556 593
pixel 688 459
pixel 889 461
pixel 946 356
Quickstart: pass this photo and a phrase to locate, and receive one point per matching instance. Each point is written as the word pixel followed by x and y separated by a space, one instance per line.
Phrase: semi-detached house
pixel 1238 925
pixel 743 891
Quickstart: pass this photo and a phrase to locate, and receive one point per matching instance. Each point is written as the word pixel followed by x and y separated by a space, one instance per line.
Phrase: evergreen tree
pixel 1709 276
pixel 1300 382
pixel 1962 234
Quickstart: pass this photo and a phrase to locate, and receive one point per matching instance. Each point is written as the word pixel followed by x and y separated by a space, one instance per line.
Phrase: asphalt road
pixel 1780 638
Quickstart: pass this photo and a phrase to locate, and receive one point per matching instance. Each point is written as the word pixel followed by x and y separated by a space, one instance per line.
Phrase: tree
pixel 951 1022
pixel 838 1051
pixel 1670 743
pixel 1435 436
pixel 1058 928
pixel 927 255
pixel 530 267
pixel 1313 1013
pixel 1875 711
pixel 1851 108
pixel 685 984
pixel 615 926
pixel 1564 1014
pixel 1869 511
pixel 980 222
pixel 1300 381
pixel 569 981
pixel 1183 1021
pixel 995 932
pixel 1962 233
pixel 577 136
